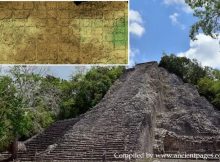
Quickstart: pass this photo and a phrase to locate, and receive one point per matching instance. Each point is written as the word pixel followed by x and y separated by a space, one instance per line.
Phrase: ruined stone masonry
pixel 146 110
pixel 63 32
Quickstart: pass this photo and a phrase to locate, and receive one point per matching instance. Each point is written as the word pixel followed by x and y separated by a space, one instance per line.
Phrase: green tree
pixel 206 79
pixel 194 72
pixel 174 64
pixel 216 90
pixel 28 104
pixel 14 118
pixel 40 97
pixel 85 90
pixel 210 88
pixel 30 101
pixel 204 87
pixel 189 70
pixel 216 74
pixel 208 14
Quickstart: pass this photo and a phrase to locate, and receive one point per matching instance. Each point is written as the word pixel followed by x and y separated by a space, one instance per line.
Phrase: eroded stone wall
pixel 187 122
pixel 63 32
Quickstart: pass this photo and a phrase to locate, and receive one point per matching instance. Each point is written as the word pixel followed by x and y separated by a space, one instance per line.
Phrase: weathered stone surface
pixel 47 140
pixel 187 121
pixel 146 110
pixel 46 26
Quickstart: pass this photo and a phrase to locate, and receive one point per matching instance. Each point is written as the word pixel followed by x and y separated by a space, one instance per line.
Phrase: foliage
pixel 25 104
pixel 189 70
pixel 14 117
pixel 85 90
pixel 208 14
pixel 206 79
pixel 211 89
pixel 30 101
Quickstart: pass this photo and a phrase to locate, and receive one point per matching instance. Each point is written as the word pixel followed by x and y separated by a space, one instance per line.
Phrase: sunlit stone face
pixel 63 32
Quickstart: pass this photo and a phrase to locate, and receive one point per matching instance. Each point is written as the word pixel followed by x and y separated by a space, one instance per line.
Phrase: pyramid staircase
pixel 147 110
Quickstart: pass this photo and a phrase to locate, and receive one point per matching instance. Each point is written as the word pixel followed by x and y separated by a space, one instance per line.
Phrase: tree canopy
pixel 84 91
pixel 31 101
pixel 206 79
pixel 189 70
pixel 25 104
pixel 14 118
pixel 208 14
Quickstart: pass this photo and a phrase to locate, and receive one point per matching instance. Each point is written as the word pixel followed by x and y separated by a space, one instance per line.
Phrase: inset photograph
pixel 78 32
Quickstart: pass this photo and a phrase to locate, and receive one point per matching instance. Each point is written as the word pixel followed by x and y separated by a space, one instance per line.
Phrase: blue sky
pixel 161 34
pixel 158 26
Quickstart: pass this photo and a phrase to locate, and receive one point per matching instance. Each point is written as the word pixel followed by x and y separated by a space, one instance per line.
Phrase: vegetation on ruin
pixel 84 91
pixel 206 79
pixel 31 101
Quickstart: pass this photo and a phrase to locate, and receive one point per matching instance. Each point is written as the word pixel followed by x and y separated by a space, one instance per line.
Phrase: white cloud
pixel 136 23
pixel 135 16
pixel 171 2
pixel 187 9
pixel 175 21
pixel 173 18
pixel 132 53
pixel 136 29
pixel 205 49
pixel 180 3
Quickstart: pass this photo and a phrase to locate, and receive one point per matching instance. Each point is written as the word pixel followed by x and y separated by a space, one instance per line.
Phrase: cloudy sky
pixel 158 26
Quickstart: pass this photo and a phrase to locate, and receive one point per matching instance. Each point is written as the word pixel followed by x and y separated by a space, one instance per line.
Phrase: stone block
pixel 28 6
pixel 51 6
pixel 5 52
pixel 31 51
pixel 17 5
pixel 4 5
pixel 20 55
pixel 40 5
pixel 64 22
pixel 52 22
pixel 42 51
pixel 42 14
pixel 39 22
pixel 21 14
pixel 52 14
pixel 52 31
pixel 5 14
pixel 63 14
pixel 52 51
pixel 64 5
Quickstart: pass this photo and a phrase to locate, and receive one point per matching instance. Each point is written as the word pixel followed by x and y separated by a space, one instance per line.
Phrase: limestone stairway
pixel 50 136
pixel 146 110
pixel 120 123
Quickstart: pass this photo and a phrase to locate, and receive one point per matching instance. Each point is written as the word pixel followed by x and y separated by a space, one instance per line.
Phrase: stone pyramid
pixel 147 110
